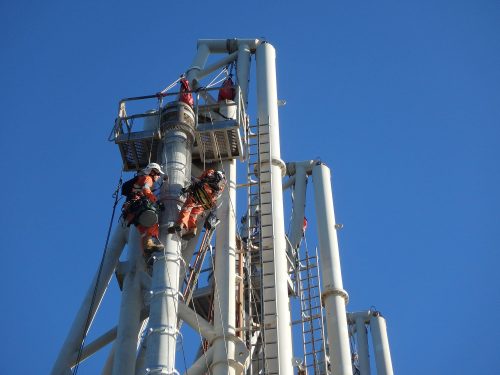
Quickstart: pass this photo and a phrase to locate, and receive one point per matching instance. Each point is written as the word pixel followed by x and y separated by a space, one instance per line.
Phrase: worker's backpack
pixel 128 186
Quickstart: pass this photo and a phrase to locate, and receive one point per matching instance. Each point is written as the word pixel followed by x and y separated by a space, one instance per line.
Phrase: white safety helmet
pixel 221 176
pixel 152 166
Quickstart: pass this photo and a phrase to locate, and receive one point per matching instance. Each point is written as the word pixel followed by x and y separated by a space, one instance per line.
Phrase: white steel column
pixel 243 70
pixel 130 313
pixel 267 105
pixel 176 161
pixel 225 268
pixel 334 297
pixel 75 335
pixel 363 356
pixel 198 63
pixel 381 345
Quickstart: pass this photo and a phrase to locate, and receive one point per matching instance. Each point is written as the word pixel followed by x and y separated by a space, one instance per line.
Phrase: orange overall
pixel 201 197
pixel 142 187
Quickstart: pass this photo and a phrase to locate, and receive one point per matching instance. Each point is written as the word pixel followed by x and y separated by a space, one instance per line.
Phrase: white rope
pixel 213 83
pixel 217 82
pixel 233 209
pixel 171 85
pixel 160 102
pixel 175 304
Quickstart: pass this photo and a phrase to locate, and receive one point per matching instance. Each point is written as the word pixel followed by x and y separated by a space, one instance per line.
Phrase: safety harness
pixel 203 197
pixel 138 206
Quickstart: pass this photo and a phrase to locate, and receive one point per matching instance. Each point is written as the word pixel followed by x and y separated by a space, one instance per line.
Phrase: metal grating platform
pixel 138 149
pixel 219 140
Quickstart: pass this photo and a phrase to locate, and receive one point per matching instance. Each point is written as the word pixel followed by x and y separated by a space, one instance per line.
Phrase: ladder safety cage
pixel 261 309
pixel 311 312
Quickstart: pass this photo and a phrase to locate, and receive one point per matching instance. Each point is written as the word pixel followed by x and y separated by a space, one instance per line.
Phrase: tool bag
pixel 144 212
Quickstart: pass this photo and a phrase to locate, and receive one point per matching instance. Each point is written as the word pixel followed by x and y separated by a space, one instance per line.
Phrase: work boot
pixel 187 234
pixel 152 244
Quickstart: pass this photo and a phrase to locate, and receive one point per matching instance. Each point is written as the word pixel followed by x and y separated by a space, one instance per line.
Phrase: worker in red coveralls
pixel 184 95
pixel 140 194
pixel 201 195
pixel 227 90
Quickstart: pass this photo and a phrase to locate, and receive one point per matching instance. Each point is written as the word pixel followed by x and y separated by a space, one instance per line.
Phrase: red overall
pixel 184 95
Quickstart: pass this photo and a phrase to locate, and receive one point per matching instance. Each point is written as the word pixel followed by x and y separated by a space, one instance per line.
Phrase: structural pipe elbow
pixel 228 45
pixel 211 46
pixel 291 168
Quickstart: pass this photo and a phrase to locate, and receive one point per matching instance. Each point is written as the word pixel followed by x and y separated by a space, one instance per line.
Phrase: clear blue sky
pixel 400 98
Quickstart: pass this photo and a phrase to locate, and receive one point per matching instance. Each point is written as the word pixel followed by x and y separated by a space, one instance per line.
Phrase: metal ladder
pixel 261 301
pixel 313 337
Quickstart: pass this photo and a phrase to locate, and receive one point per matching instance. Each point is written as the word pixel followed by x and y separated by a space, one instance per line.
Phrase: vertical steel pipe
pixel 129 323
pixel 363 356
pixel 280 362
pixel 243 70
pixel 380 341
pixel 177 120
pixel 334 297
pixel 225 269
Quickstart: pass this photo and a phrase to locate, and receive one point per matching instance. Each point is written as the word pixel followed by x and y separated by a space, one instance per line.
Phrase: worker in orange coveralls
pixel 142 188
pixel 201 195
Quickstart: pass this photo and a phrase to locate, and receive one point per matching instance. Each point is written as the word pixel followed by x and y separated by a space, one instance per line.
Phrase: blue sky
pixel 400 98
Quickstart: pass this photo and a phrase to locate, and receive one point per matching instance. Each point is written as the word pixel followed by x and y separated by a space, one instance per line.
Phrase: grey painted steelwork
pixel 178 120
pixel 168 138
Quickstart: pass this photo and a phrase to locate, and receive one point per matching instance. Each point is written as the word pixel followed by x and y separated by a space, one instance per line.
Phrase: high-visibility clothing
pixel 202 195
pixel 189 213
pixel 142 187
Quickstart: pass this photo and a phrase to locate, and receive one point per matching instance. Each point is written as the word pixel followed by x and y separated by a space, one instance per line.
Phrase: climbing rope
pixel 233 210
pixel 162 92
pixel 116 196
pixel 158 126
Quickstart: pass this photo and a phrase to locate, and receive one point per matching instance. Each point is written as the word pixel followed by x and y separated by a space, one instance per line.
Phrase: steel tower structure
pixel 242 312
